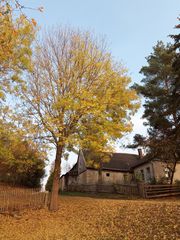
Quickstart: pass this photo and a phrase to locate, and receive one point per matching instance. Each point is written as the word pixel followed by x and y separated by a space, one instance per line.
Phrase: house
pixel 157 170
pixel 120 168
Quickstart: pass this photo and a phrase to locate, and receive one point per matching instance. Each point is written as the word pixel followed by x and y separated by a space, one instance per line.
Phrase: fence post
pixel 46 199
pixel 141 187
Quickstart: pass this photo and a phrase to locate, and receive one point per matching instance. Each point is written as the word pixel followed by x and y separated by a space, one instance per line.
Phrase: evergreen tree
pixel 160 88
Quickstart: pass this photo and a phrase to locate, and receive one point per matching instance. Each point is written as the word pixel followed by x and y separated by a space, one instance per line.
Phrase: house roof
pixel 124 162
pixel 121 162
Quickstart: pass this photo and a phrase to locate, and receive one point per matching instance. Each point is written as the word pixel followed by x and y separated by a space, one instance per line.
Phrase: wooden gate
pixel 155 191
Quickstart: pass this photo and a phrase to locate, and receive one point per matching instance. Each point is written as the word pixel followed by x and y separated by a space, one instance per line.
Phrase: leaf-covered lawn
pixel 91 218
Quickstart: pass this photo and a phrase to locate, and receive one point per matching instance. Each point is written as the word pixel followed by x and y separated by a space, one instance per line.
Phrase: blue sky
pixel 131 28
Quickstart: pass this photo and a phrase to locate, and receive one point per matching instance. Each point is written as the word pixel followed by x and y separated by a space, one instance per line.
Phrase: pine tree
pixel 160 88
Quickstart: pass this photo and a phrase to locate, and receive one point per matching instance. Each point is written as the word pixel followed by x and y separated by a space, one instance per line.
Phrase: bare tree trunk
pixel 55 187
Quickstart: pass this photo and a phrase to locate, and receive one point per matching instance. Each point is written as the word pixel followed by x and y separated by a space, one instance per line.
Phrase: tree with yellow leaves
pixel 22 160
pixel 16 36
pixel 77 96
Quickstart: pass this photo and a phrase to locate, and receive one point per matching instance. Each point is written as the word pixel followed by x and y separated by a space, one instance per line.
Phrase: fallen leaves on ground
pixel 88 218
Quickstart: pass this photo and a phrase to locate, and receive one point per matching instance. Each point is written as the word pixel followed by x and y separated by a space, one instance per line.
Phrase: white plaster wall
pixel 177 173
pixel 113 178
pixel 91 177
pixel 137 171
pixel 159 169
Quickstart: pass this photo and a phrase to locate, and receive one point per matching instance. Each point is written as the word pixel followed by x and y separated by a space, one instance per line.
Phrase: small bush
pixel 177 182
pixel 49 183
pixel 162 180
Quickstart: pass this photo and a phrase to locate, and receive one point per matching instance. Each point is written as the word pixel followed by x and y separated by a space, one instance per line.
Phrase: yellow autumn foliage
pixel 93 218
pixel 16 36
pixel 77 92
pixel 77 95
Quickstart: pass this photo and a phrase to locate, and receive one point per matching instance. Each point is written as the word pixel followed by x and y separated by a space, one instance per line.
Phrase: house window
pixel 167 172
pixel 142 174
pixel 148 171
pixel 125 178
pixel 107 174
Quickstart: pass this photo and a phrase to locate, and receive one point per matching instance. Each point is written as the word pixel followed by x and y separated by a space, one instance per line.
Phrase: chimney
pixel 140 153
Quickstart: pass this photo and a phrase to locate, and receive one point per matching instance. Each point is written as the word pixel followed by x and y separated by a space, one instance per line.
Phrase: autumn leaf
pixel 33 22
pixel 95 217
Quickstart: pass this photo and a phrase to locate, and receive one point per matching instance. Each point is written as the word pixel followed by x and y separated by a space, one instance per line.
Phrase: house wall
pixel 177 173
pixel 87 177
pixel 157 170
pixel 112 177
pixel 108 177
pixel 147 175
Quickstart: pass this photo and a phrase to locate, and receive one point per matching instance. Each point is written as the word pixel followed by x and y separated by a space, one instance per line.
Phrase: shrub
pixel 177 182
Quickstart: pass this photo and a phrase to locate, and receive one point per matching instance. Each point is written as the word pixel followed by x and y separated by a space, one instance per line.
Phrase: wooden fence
pixel 155 191
pixel 127 189
pixel 91 188
pixel 105 188
pixel 15 199
pixel 141 189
